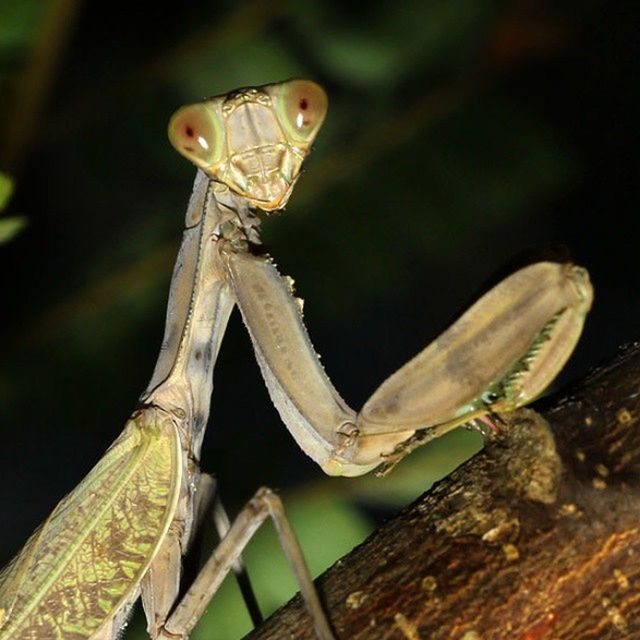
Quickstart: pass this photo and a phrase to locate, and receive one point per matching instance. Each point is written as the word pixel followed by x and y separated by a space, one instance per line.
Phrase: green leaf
pixel 6 189
pixel 10 227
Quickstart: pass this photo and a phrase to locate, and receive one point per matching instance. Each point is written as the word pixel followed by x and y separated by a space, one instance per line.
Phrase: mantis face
pixel 253 140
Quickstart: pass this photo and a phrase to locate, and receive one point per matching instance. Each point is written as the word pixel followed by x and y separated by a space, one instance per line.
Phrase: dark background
pixel 461 135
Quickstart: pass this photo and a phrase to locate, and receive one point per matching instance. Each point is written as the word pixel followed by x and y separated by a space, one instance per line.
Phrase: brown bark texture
pixel 537 537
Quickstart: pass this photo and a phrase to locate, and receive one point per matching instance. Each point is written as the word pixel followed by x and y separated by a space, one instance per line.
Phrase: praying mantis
pixel 121 533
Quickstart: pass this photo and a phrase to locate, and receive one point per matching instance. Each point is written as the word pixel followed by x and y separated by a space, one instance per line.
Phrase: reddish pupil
pixel 189 131
pixel 303 104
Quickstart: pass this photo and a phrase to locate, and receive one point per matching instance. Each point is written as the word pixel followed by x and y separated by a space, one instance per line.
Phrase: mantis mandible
pixel 121 533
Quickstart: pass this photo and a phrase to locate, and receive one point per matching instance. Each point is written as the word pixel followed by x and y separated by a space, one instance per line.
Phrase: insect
pixel 121 533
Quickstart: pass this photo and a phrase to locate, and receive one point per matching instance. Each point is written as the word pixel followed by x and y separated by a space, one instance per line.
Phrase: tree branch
pixel 536 537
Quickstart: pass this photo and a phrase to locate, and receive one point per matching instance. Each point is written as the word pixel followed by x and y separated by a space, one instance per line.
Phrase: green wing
pixel 89 556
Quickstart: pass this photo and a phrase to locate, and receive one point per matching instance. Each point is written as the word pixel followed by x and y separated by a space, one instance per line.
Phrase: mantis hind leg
pixel 264 504
pixel 209 501
pixel 161 584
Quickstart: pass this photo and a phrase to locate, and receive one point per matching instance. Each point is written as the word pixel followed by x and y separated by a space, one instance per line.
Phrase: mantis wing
pixel 85 562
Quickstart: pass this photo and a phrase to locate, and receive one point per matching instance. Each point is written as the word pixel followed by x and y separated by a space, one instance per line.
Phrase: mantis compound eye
pixel 196 133
pixel 302 106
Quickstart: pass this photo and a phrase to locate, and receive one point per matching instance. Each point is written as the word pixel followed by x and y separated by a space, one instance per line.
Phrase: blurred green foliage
pixel 19 24
pixel 460 134
pixel 11 226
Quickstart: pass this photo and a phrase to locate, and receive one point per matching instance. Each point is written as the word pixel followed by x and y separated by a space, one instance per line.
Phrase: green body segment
pixel 80 567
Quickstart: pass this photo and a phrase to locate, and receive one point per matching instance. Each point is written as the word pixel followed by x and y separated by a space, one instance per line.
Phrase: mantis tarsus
pixel 122 532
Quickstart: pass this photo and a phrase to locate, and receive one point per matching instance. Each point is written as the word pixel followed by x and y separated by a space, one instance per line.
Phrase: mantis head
pixel 253 140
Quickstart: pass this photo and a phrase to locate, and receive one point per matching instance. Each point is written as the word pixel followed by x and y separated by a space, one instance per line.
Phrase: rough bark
pixel 536 537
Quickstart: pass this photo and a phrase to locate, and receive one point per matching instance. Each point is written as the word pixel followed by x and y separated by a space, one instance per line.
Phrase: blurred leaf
pixel 10 227
pixel 18 22
pixel 379 47
pixel 259 61
pixel 6 190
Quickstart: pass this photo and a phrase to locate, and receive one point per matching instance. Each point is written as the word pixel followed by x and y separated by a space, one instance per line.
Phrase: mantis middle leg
pixel 263 505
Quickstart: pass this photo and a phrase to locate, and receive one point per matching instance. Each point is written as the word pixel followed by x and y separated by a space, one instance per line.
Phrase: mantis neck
pixel 200 303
